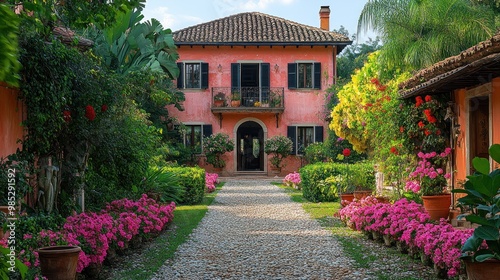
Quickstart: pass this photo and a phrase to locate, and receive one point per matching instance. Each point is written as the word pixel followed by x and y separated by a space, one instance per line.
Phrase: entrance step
pixel 250 174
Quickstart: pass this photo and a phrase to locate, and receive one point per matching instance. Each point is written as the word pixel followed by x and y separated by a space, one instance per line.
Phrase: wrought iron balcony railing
pixel 255 98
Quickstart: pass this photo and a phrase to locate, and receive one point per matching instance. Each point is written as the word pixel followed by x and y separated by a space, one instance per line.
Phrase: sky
pixel 178 14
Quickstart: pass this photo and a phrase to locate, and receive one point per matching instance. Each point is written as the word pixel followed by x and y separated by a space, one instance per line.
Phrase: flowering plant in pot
pixel 429 180
pixel 215 146
pixel 279 147
pixel 483 198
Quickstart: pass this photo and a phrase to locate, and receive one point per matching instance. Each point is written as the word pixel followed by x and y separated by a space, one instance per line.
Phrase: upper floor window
pixel 302 136
pixel 304 75
pixel 192 75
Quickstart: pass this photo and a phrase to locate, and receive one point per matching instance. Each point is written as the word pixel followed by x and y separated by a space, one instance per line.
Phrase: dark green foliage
pixel 483 200
pixel 313 178
pixel 165 184
pixel 193 181
pixel 9 65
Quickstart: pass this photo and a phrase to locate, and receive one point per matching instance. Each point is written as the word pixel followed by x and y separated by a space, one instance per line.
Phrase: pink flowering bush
pixel 96 233
pixel 429 178
pixel 211 179
pixel 407 222
pixel 292 180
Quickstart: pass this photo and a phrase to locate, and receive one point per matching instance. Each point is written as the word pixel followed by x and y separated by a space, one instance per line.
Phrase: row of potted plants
pixel 407 225
pixel 100 234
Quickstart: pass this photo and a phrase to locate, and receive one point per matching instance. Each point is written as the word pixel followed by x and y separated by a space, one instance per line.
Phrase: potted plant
pixel 483 200
pixel 219 99
pixel 215 146
pixel 235 98
pixel 430 181
pixel 279 147
pixel 275 99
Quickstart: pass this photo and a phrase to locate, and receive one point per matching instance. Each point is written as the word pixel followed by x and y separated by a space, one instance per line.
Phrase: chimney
pixel 324 18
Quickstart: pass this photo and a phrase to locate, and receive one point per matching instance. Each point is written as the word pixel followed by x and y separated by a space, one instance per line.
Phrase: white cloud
pixel 169 20
pixel 226 7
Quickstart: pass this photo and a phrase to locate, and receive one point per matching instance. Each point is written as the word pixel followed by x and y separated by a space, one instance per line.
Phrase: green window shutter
pixel 180 79
pixel 235 76
pixel 265 75
pixel 292 134
pixel 318 133
pixel 207 130
pixel 204 75
pixel 292 75
pixel 317 75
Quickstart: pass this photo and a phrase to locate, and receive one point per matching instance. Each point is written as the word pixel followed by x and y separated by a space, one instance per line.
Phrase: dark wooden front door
pixel 479 128
pixel 250 147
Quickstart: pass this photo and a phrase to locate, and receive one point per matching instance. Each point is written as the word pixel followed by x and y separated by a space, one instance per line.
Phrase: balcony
pixel 251 99
pixel 244 100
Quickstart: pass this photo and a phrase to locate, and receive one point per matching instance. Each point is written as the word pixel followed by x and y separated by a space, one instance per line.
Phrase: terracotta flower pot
pixel 438 206
pixel 361 194
pixel 59 262
pixel 347 197
pixel 487 270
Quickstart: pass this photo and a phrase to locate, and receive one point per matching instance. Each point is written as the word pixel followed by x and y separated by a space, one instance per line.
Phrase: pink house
pixel 277 69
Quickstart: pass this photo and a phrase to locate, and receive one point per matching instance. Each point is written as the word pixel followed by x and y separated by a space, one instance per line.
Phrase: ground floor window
pixel 304 135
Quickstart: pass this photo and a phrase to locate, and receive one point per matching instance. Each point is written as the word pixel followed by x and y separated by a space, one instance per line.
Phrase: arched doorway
pixel 250 147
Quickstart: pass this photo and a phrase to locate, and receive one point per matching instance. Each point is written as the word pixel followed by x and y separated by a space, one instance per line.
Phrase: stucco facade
pixel 255 70
pixel 11 116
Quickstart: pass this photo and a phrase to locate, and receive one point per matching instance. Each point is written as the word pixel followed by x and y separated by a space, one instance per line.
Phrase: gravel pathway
pixel 254 231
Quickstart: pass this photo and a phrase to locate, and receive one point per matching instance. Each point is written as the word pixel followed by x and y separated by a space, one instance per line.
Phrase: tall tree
pixel 418 33
pixel 9 65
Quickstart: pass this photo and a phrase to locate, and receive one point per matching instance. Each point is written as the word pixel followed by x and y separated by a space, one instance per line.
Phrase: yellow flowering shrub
pixel 367 112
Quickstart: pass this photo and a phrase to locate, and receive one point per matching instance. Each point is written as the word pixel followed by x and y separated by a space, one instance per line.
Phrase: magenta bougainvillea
pixel 407 222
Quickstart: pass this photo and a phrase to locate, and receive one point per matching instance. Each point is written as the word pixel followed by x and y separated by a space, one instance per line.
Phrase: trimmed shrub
pixel 193 181
pixel 314 176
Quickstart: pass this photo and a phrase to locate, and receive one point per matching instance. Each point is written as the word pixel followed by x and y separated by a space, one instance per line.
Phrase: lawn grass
pixel 162 248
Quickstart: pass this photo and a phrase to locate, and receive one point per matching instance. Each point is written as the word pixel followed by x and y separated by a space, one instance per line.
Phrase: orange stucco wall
pixel 11 116
pixel 461 149
pixel 302 107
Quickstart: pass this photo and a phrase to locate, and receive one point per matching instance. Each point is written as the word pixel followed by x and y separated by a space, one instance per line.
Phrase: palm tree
pixel 418 33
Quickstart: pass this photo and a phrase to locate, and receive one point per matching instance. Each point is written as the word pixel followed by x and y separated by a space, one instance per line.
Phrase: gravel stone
pixel 253 230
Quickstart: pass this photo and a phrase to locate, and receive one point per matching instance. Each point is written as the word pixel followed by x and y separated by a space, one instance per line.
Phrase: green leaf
pixel 487 232
pixel 472 244
pixel 477 220
pixel 483 257
pixel 482 165
pixel 495 152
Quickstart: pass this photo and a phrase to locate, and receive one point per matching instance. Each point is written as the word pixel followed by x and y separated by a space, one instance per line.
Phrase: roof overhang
pixel 470 75
pixel 340 45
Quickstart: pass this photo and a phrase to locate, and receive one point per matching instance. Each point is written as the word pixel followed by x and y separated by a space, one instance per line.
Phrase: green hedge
pixel 313 178
pixel 193 181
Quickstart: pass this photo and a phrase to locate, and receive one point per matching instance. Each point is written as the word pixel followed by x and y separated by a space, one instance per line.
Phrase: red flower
pixel 90 112
pixel 67 116
pixel 394 150
pixel 401 129
pixel 104 108
pixel 419 101
pixel 381 87
pixel 428 98
pixel 438 132
pixel 428 112
pixel 432 119
pixel 346 152
pixel 421 124
pixel 427 132
pixel 375 81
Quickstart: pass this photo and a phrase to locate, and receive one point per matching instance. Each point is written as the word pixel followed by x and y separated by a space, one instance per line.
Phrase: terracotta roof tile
pixel 256 28
pixel 451 64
